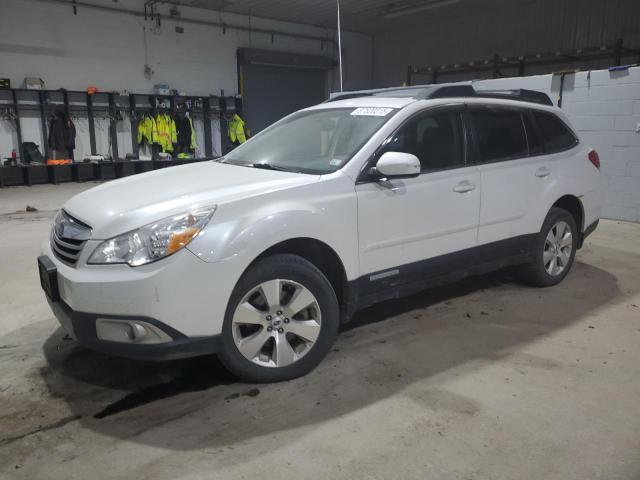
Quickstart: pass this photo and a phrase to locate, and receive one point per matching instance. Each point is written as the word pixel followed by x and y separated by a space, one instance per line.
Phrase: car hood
pixel 122 205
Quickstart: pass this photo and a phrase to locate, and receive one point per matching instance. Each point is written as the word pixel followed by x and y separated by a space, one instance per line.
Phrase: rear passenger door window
pixel 435 138
pixel 500 134
pixel 557 136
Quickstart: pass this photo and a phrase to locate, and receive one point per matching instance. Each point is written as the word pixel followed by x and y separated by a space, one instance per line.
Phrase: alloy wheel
pixel 558 247
pixel 276 323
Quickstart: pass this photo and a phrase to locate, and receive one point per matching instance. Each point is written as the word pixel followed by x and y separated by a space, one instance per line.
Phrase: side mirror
pixel 398 165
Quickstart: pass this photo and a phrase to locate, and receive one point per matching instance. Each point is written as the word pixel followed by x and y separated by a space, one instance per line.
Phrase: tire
pixel 550 265
pixel 265 337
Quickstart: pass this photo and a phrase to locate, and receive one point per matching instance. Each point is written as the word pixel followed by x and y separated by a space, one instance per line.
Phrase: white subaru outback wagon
pixel 258 256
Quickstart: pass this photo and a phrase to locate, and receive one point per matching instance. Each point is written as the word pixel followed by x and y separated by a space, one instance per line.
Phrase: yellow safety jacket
pixel 167 134
pixel 193 144
pixel 236 129
pixel 147 131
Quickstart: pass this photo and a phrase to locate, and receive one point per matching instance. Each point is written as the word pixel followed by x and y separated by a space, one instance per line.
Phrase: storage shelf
pixel 82 172
pixel 107 106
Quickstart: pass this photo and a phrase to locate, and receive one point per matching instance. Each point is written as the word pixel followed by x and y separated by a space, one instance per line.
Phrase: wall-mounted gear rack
pixel 111 106
pixel 518 65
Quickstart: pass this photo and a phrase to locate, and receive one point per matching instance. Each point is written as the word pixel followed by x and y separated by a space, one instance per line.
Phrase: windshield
pixel 315 141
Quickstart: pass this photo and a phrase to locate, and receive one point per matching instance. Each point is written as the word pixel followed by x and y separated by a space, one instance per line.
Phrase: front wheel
pixel 555 250
pixel 281 320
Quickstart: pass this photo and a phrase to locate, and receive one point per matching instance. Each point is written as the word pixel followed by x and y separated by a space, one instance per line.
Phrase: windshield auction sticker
pixel 372 111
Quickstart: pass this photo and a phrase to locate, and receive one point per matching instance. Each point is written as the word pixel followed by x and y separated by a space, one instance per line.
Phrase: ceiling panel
pixel 367 16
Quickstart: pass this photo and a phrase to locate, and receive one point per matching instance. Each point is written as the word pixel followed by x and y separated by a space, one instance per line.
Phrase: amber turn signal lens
pixel 179 240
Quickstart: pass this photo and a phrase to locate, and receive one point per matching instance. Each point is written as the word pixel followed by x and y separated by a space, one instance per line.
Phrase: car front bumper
pixel 82 327
pixel 181 299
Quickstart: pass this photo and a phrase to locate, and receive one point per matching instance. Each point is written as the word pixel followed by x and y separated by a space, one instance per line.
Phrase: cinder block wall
pixel 604 107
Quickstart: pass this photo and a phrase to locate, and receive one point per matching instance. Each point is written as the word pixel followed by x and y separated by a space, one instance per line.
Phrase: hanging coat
pixel 70 135
pixel 186 135
pixel 161 127
pixel 167 134
pixel 193 145
pixel 173 131
pixel 237 133
pixel 62 133
pixel 147 131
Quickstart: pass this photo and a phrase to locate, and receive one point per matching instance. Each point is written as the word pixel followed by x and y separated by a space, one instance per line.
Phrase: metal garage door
pixel 274 84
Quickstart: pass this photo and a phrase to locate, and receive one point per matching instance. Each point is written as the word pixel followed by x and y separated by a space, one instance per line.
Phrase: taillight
pixel 594 158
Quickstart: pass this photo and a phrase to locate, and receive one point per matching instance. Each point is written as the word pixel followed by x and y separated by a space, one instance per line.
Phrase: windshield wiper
pixel 268 166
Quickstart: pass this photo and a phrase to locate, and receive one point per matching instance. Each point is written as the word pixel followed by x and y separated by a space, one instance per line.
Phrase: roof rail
pixel 521 94
pixel 348 95
pixel 448 91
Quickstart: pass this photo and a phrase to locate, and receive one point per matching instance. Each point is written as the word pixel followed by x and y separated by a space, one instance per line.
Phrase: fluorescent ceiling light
pixel 419 8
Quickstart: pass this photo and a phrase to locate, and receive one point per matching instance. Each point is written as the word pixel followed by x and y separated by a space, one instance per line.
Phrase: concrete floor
pixel 484 379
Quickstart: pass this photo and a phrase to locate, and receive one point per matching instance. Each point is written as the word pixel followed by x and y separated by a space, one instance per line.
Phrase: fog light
pixel 129 331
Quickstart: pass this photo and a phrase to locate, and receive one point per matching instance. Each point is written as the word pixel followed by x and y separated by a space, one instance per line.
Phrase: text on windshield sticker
pixel 372 111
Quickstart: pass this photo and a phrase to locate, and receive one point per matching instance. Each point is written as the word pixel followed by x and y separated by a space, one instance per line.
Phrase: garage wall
pixel 605 108
pixel 107 50
pixel 477 30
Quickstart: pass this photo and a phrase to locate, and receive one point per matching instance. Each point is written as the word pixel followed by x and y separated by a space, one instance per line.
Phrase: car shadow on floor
pixel 195 403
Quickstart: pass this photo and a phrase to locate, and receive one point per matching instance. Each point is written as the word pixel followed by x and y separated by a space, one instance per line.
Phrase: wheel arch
pixel 317 252
pixel 573 205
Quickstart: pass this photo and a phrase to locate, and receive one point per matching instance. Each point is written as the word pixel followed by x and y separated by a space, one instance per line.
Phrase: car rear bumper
pixel 82 327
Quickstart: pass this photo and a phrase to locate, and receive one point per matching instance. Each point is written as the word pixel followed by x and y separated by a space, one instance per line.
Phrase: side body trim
pixel 411 278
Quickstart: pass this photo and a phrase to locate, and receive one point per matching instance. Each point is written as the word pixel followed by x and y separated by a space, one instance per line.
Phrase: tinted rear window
pixel 500 135
pixel 556 134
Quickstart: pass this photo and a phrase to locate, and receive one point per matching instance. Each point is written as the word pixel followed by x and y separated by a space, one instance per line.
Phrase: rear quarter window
pixel 556 135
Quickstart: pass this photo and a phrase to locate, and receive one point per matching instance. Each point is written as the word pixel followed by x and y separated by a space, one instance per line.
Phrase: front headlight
pixel 154 241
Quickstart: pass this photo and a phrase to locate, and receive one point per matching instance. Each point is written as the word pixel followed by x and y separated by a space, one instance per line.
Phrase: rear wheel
pixel 281 320
pixel 554 251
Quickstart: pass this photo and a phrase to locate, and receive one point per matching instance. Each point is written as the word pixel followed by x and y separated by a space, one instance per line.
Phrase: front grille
pixel 68 237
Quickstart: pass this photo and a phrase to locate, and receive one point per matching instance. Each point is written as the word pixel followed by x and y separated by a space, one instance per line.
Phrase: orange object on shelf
pixel 66 161
pixel 91 90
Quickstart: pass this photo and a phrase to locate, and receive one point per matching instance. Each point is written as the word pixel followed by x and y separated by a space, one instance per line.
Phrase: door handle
pixel 543 172
pixel 464 186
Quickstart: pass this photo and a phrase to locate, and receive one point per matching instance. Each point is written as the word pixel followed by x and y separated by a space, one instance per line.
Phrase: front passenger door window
pixel 435 138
